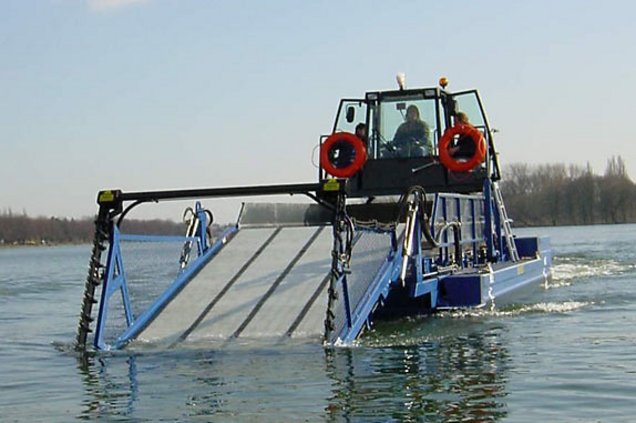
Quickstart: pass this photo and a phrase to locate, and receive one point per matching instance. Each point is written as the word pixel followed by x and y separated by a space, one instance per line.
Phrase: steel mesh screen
pixel 367 256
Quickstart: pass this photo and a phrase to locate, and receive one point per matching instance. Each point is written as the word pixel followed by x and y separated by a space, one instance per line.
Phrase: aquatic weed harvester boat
pixel 400 224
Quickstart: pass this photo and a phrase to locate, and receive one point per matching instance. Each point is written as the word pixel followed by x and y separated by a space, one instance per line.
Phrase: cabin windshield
pixel 403 125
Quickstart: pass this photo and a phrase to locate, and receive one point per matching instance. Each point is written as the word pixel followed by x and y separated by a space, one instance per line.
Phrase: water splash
pixel 549 308
pixel 523 309
pixel 453 323
pixel 567 270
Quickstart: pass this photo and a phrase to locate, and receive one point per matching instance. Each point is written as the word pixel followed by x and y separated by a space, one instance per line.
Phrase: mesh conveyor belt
pixel 263 283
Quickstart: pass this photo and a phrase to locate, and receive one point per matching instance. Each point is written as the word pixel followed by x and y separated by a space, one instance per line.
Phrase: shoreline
pixel 36 245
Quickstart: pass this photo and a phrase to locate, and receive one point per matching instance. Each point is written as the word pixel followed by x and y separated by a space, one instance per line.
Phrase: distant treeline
pixel 24 230
pixel 558 194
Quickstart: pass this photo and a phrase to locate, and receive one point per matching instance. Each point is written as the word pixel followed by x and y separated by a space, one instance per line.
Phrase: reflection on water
pixel 454 378
pixel 109 392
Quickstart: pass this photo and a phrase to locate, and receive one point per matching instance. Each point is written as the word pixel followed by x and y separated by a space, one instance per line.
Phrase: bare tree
pixel 556 194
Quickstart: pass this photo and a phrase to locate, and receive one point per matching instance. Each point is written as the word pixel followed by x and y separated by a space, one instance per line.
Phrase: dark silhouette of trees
pixel 556 194
pixel 617 194
pixel 22 229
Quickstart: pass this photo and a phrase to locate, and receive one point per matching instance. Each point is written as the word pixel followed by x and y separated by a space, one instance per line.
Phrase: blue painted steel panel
pixel 527 247
pixel 515 278
pixel 460 291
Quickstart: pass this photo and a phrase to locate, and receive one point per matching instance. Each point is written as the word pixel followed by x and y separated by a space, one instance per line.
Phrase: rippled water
pixel 567 356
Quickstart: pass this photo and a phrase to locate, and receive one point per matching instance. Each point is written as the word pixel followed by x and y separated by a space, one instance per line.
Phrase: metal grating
pixel 367 256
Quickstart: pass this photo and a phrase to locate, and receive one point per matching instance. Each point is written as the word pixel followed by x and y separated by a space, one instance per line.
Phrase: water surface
pixel 566 356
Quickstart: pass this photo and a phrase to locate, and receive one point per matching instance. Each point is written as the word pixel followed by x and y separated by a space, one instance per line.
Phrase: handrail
pixel 453 209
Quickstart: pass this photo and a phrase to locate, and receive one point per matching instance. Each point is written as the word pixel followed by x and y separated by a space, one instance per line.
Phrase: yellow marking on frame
pixel 106 196
pixel 331 185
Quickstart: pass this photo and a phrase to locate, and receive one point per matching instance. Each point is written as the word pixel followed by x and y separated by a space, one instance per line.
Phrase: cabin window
pixel 395 134
pixel 469 103
pixel 351 113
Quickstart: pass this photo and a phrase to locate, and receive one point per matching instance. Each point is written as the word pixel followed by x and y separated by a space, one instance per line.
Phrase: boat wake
pixel 516 310
pixel 568 270
pixel 457 323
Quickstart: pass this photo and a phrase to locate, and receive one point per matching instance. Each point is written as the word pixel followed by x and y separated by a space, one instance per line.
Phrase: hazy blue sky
pixel 160 94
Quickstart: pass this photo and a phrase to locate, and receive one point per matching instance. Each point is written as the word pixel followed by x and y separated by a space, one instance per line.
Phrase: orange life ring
pixel 462 166
pixel 359 154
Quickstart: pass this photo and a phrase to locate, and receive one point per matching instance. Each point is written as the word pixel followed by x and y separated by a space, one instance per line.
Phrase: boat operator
pixel 412 137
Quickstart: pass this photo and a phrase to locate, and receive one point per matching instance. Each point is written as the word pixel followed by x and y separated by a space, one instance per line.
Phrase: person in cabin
pixel 412 136
pixel 463 147
pixel 361 132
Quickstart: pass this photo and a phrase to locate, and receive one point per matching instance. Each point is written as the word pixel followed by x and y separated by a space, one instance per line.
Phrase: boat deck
pixel 266 282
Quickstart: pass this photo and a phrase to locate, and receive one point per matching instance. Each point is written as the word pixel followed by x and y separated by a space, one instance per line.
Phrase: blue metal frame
pixel 495 239
pixel 115 278
pixel 202 217
pixel 472 289
pixel 488 215
pixel 184 277
pixel 442 204
pixel 421 285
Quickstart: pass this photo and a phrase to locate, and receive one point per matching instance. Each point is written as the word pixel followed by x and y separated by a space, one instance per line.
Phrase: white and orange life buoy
pixel 462 165
pixel 338 140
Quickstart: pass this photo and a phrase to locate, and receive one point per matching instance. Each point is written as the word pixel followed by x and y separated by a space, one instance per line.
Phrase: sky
pixel 167 94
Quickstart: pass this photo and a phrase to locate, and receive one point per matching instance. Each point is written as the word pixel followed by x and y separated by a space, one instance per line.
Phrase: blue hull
pixel 502 283
pixel 497 284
